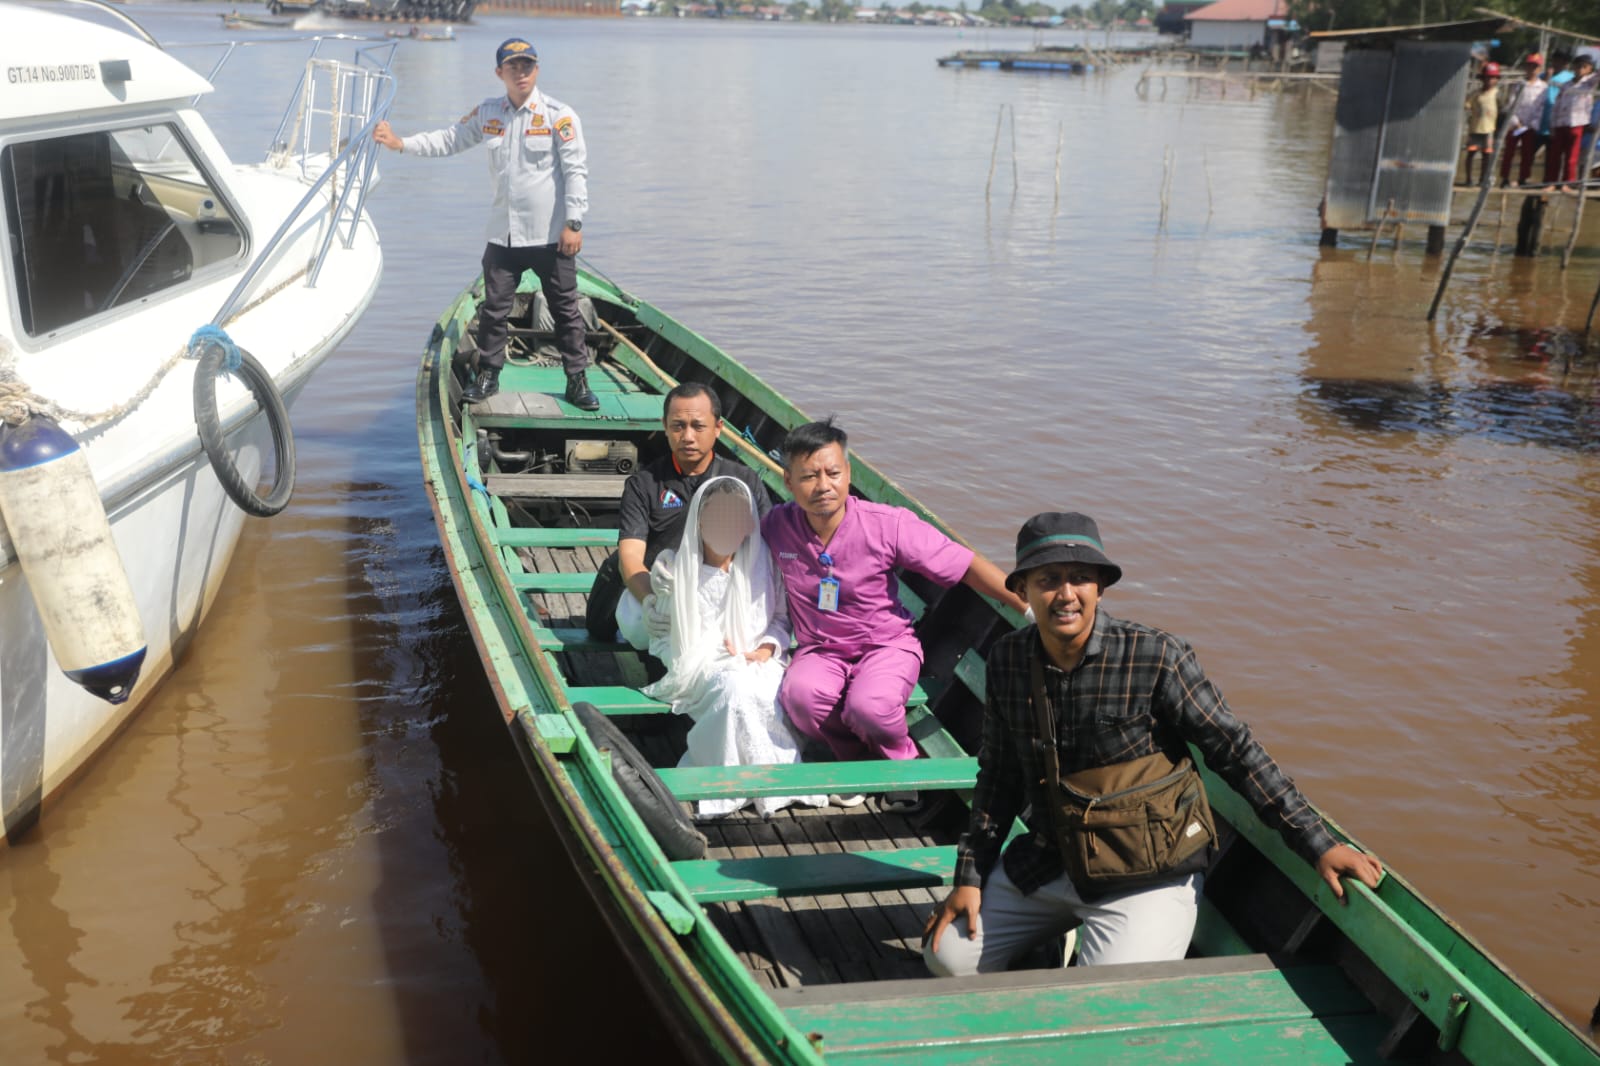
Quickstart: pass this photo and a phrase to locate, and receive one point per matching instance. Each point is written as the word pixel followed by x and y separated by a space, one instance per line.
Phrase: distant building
pixel 1170 19
pixel 1237 25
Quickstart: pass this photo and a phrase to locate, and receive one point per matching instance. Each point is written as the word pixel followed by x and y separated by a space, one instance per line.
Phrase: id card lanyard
pixel 828 587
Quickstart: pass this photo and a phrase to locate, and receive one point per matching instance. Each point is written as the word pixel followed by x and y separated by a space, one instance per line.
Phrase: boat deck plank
pixel 1244 1009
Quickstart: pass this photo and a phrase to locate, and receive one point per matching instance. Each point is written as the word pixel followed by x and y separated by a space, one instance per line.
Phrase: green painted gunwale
pixel 696 980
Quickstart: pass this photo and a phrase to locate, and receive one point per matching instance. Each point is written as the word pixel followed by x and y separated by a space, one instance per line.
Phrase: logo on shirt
pixel 564 128
pixel 538 120
pixel 670 498
pixel 788 555
pixel 493 128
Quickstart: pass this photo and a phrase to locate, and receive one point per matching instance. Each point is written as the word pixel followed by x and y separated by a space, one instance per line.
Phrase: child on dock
pixel 1570 114
pixel 724 650
pixel 1527 113
pixel 1483 110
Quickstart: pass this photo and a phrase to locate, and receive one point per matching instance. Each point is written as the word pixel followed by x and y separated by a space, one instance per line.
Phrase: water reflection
pixel 1483 374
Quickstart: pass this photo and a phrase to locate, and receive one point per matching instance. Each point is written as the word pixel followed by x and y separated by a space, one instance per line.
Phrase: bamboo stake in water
pixel 1061 129
pixel 1205 165
pixel 1014 181
pixel 1166 185
pixel 994 151
pixel 1583 194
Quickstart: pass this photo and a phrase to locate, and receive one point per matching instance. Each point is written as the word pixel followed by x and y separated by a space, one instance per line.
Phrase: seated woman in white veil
pixel 725 648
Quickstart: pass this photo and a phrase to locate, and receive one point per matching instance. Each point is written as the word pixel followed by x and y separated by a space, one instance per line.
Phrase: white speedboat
pixel 142 264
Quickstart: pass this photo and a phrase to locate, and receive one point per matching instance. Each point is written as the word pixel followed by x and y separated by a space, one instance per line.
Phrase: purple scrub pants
pixel 857 706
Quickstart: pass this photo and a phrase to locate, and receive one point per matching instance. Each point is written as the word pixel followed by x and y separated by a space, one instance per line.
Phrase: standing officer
pixel 538 165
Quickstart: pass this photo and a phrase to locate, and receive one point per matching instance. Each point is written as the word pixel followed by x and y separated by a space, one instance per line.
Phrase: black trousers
pixel 608 590
pixel 558 276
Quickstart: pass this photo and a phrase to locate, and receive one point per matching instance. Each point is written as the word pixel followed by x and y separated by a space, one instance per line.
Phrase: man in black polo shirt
pixel 655 502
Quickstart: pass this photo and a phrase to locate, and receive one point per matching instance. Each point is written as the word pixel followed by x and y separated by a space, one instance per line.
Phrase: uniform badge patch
pixel 564 128
pixel 470 115
pixel 538 119
pixel 670 498
pixel 493 128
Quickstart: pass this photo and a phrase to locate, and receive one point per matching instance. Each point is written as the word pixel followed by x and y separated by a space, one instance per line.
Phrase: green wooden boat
pixel 796 939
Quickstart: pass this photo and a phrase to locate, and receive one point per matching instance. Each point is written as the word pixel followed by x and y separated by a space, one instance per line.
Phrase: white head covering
pixel 747 613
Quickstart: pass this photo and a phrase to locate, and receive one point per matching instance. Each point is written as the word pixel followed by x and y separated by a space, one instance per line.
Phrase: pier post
pixel 1530 225
pixel 1330 237
pixel 1435 240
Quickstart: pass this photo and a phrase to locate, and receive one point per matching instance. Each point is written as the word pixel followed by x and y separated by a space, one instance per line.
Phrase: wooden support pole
pixel 1387 211
pixel 1485 183
pixel 1530 224
pixel 1585 167
pixel 1435 240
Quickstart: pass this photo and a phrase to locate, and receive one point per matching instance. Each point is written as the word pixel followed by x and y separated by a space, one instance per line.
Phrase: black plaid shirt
pixel 1136 690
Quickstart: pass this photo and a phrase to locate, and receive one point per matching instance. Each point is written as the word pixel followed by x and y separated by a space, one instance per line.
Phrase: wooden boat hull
pixel 1385 975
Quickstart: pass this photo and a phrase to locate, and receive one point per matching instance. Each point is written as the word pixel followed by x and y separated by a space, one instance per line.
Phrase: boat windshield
pixel 105 218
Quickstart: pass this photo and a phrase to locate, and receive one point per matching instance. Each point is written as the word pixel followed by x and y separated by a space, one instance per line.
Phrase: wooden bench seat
pixel 810 778
pixel 555 487
pixel 620 700
pixel 542 537
pixel 724 880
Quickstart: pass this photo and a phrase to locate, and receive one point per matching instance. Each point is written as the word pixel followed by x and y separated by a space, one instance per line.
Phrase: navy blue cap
pixel 512 48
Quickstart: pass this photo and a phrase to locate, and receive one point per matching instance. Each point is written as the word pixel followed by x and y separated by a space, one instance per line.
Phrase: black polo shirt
pixel 655 501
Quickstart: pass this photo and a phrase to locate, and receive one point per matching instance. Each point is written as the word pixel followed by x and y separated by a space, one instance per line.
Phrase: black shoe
pixel 578 394
pixel 487 384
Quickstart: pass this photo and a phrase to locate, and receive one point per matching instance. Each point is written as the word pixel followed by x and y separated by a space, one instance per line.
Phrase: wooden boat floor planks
pixel 797 939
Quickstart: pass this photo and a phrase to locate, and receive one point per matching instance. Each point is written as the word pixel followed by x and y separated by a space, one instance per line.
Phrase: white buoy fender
pixel 62 538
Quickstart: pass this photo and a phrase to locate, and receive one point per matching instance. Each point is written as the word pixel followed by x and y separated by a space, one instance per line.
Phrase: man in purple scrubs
pixel 857 658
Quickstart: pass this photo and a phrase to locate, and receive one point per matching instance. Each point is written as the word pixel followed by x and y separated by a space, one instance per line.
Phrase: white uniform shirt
pixel 537 164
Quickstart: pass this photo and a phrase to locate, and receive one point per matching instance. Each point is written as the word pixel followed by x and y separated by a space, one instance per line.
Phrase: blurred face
pixel 691 432
pixel 1064 597
pixel 519 74
pixel 726 519
pixel 819 482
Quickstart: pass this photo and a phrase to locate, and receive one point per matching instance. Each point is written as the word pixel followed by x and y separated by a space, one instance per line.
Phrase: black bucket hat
pixel 1060 537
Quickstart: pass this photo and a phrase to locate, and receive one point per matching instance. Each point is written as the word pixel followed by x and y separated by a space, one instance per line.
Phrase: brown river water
pixel 315 843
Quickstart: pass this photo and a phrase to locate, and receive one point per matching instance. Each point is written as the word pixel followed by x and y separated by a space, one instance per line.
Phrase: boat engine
pixel 601 457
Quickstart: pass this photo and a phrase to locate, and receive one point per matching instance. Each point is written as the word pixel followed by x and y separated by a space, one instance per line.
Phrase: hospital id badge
pixel 828 594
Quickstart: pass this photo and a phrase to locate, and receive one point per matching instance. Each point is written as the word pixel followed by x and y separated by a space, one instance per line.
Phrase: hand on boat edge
pixel 1342 860
pixel 963 901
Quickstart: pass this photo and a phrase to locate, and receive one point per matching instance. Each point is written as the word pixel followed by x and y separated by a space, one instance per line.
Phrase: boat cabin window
pixel 105 218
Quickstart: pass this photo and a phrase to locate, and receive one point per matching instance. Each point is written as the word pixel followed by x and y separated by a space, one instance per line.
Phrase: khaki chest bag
pixel 1126 825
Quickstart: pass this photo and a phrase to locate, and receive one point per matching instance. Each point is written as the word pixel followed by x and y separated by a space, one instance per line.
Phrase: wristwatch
pixel 574 224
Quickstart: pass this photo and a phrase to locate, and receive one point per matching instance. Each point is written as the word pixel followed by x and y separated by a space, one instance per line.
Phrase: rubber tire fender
pixel 657 808
pixel 215 442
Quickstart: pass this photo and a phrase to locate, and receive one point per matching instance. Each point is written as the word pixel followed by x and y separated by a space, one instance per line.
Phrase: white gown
pixel 733 701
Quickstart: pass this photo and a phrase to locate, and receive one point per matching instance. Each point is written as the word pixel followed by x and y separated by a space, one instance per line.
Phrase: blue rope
pixel 209 334
pixel 474 483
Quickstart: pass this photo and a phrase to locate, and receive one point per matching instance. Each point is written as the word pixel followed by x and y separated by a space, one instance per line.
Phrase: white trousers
pixel 1145 925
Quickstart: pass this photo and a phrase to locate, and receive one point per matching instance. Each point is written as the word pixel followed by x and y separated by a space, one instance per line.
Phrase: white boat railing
pixel 330 118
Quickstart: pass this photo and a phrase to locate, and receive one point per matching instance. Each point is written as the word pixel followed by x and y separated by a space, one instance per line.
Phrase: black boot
pixel 487 384
pixel 578 394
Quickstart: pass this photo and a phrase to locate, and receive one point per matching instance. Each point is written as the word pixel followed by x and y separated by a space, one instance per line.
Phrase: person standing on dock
pixel 539 168
pixel 1080 695
pixel 856 659
pixel 1568 116
pixel 1483 118
pixel 1527 112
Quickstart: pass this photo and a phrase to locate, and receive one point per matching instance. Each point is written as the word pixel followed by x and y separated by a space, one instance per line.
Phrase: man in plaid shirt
pixel 1120 691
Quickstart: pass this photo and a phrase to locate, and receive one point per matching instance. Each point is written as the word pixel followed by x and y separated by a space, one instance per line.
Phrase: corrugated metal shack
pixel 1397 126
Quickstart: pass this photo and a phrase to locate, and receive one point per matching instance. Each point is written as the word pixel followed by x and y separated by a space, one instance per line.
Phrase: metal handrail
pixel 360 151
